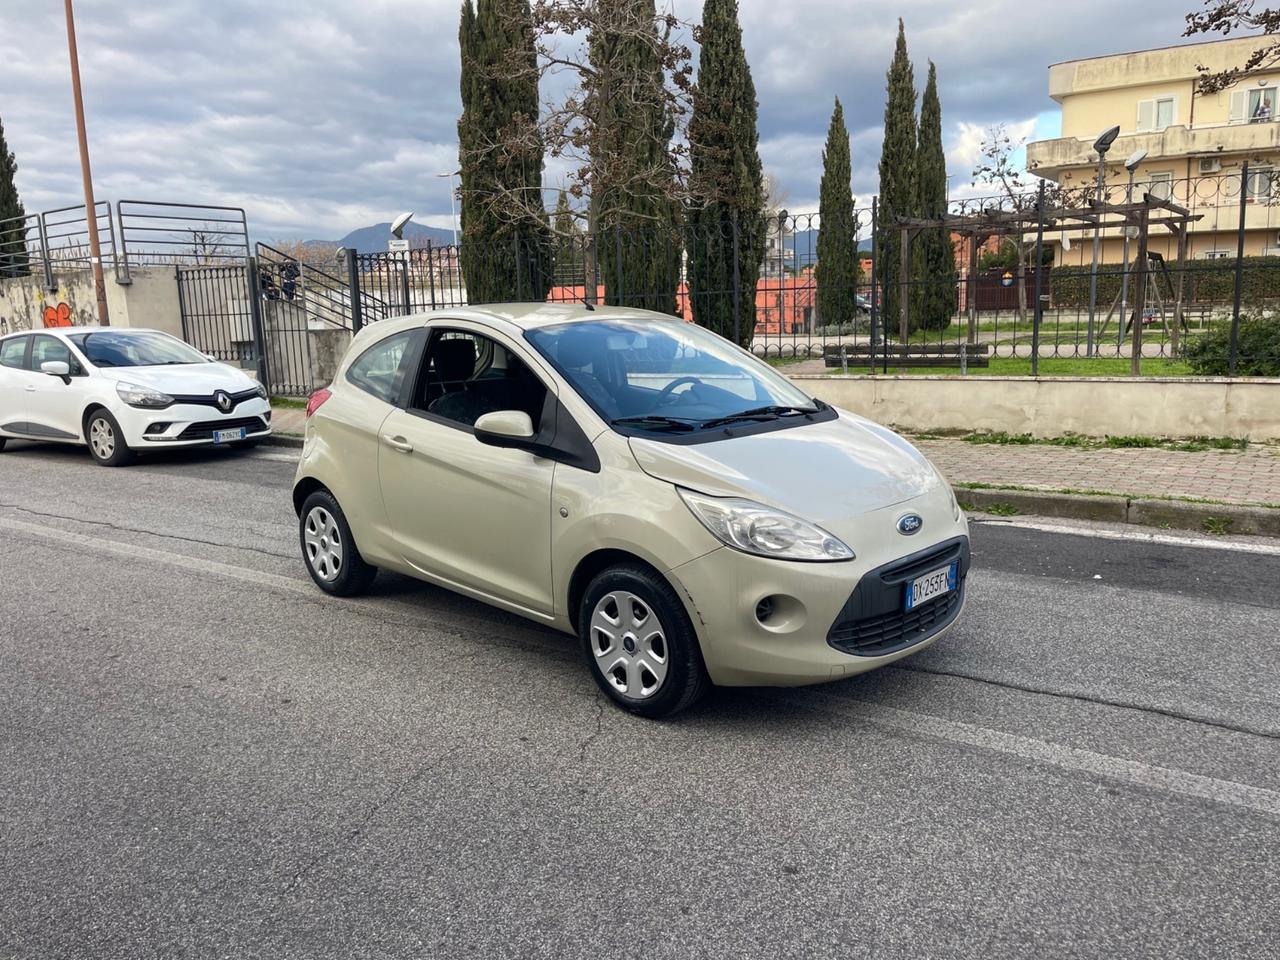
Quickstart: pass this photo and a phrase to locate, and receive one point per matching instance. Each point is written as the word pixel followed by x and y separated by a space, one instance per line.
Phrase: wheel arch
pixel 89 410
pixel 592 564
pixel 304 488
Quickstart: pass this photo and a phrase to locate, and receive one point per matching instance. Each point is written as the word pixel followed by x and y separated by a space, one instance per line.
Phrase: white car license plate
pixel 933 584
pixel 228 436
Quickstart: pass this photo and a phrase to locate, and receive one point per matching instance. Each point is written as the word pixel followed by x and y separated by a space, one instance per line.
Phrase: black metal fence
pixel 1146 302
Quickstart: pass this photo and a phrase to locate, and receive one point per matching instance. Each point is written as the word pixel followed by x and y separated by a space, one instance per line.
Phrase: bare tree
pixel 1236 16
pixel 996 168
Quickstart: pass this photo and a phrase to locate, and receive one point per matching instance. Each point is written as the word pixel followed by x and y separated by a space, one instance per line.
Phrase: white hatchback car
pixel 124 391
pixel 636 480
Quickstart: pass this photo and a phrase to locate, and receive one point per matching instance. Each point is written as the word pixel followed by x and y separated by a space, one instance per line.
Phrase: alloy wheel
pixel 324 544
pixel 629 644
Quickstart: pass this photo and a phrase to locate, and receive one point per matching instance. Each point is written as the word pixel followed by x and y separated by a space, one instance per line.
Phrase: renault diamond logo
pixel 910 524
pixel 223 401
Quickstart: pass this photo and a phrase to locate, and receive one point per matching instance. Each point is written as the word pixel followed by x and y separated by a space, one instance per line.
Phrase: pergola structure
pixel 977 228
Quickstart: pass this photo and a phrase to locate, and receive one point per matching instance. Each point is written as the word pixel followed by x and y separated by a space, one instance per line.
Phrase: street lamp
pixel 1131 165
pixel 1101 145
pixel 453 210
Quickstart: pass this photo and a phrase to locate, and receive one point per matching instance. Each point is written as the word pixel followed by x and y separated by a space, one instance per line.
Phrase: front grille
pixel 893 631
pixel 208 400
pixel 872 621
pixel 204 429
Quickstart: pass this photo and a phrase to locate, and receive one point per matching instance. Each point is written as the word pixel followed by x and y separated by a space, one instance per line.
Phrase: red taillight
pixel 316 399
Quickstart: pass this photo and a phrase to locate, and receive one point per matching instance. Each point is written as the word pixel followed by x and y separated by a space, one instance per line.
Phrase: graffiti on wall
pixel 57 316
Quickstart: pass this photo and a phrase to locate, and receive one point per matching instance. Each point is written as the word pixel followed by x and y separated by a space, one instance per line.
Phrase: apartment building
pixel 1195 143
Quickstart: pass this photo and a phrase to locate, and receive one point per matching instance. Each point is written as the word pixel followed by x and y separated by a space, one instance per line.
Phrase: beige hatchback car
pixel 635 480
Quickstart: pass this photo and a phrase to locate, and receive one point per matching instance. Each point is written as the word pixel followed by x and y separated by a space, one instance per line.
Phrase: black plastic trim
pixel 874 610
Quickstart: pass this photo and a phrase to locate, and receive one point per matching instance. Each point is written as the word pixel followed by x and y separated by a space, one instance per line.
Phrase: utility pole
pixel 90 207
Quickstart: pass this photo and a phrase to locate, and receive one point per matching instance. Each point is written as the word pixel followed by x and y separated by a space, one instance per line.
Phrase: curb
pixel 282 440
pixel 1215 518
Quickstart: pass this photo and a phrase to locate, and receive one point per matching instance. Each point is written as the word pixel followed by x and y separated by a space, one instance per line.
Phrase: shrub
pixel 1257 353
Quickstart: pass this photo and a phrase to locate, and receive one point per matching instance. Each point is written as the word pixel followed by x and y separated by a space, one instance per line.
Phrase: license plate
pixel 933 584
pixel 228 436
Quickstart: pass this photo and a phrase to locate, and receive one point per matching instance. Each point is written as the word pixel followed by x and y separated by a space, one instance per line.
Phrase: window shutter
pixel 1146 115
pixel 1239 105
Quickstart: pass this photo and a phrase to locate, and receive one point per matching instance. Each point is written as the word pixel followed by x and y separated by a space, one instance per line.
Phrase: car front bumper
pixel 192 425
pixel 828 620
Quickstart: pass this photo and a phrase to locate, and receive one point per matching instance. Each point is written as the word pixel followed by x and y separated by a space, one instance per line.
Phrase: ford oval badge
pixel 910 524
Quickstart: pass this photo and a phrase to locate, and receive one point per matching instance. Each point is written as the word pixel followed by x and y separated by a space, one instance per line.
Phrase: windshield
pixel 666 376
pixel 110 349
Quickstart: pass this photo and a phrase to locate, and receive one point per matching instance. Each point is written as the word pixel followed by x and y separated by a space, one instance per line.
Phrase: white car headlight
pixel 764 531
pixel 262 392
pixel 136 396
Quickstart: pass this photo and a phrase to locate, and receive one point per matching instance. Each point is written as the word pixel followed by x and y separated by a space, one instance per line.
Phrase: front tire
pixel 639 644
pixel 329 550
pixel 106 440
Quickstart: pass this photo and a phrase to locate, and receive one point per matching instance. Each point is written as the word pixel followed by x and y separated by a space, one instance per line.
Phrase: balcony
pixel 1050 158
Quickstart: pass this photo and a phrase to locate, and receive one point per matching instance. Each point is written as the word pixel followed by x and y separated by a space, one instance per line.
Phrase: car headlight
pixel 764 531
pixel 136 396
pixel 262 392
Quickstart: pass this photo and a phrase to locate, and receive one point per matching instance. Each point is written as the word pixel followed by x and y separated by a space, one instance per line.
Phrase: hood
pixel 826 473
pixel 191 379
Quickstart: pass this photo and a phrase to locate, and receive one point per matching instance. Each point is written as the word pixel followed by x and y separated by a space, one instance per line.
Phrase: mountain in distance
pixel 374 239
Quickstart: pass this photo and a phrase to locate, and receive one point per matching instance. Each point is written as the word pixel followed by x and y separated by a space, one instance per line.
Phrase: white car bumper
pixel 188 425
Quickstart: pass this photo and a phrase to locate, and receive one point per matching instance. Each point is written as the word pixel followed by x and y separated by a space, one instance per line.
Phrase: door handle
pixel 398 443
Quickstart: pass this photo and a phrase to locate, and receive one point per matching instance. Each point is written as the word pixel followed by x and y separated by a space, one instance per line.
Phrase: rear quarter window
pixel 13 352
pixel 380 369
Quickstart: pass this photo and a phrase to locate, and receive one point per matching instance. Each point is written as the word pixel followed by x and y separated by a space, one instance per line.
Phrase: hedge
pixel 1207 281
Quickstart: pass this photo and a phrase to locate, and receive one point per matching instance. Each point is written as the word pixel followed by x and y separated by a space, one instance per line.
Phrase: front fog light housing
pixel 138 396
pixel 763 531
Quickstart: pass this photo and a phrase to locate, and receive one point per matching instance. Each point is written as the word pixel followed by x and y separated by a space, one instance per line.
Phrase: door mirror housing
pixel 505 428
pixel 56 368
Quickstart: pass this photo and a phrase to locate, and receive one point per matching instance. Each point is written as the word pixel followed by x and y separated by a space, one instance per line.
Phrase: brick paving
pixel 1232 476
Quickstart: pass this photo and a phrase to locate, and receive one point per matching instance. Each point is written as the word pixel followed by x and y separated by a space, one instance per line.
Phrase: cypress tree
pixel 934 292
pixel 505 239
pixel 13 234
pixel 897 173
pixel 837 268
pixel 726 175
pixel 635 215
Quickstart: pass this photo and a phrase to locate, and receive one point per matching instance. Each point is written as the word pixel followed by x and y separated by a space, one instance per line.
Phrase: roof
pixel 87 328
pixel 523 316
pixel 1169 46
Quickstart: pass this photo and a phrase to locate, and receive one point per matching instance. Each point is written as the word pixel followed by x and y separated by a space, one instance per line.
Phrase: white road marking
pixel 1057 755
pixel 1137 535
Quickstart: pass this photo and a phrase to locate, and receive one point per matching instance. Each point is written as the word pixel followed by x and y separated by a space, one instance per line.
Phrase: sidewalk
pixel 1250 476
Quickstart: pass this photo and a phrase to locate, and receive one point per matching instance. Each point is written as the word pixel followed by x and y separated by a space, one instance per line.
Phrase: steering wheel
pixel 664 395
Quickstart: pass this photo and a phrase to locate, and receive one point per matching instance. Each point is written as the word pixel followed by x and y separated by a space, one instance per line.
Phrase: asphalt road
pixel 201 756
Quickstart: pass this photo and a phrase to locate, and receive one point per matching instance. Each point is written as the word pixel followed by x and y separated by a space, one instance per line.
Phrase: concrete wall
pixel 151 300
pixel 1055 406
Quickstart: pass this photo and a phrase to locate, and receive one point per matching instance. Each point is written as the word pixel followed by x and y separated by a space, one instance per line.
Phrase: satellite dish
pixel 399 223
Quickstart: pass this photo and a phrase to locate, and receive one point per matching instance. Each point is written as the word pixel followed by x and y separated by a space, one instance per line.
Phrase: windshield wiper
pixel 771 412
pixel 657 422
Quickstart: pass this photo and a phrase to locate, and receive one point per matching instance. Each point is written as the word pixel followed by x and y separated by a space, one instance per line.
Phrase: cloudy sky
pixel 319 116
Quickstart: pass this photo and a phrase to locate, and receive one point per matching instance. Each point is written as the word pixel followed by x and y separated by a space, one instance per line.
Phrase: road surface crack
pixel 1098 701
pixel 150 533
pixel 586 743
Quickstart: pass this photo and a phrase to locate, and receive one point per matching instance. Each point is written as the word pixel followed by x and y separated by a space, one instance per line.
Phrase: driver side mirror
pixel 57 368
pixel 505 428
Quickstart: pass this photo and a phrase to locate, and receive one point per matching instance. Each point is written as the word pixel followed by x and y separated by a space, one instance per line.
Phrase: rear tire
pixel 106 441
pixel 639 643
pixel 329 550
pixel 3 441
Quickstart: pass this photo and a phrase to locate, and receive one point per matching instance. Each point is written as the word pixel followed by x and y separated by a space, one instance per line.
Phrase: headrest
pixel 455 359
pixel 580 348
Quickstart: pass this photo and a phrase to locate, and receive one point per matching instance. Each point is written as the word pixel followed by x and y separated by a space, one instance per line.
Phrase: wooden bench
pixel 910 355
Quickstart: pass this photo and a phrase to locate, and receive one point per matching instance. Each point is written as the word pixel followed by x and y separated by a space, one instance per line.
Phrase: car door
pixel 55 404
pixel 13 384
pixel 465 513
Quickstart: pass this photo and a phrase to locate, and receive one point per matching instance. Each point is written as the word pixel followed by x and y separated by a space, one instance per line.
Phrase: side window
pixel 380 369
pixel 13 352
pixel 466 375
pixel 44 349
